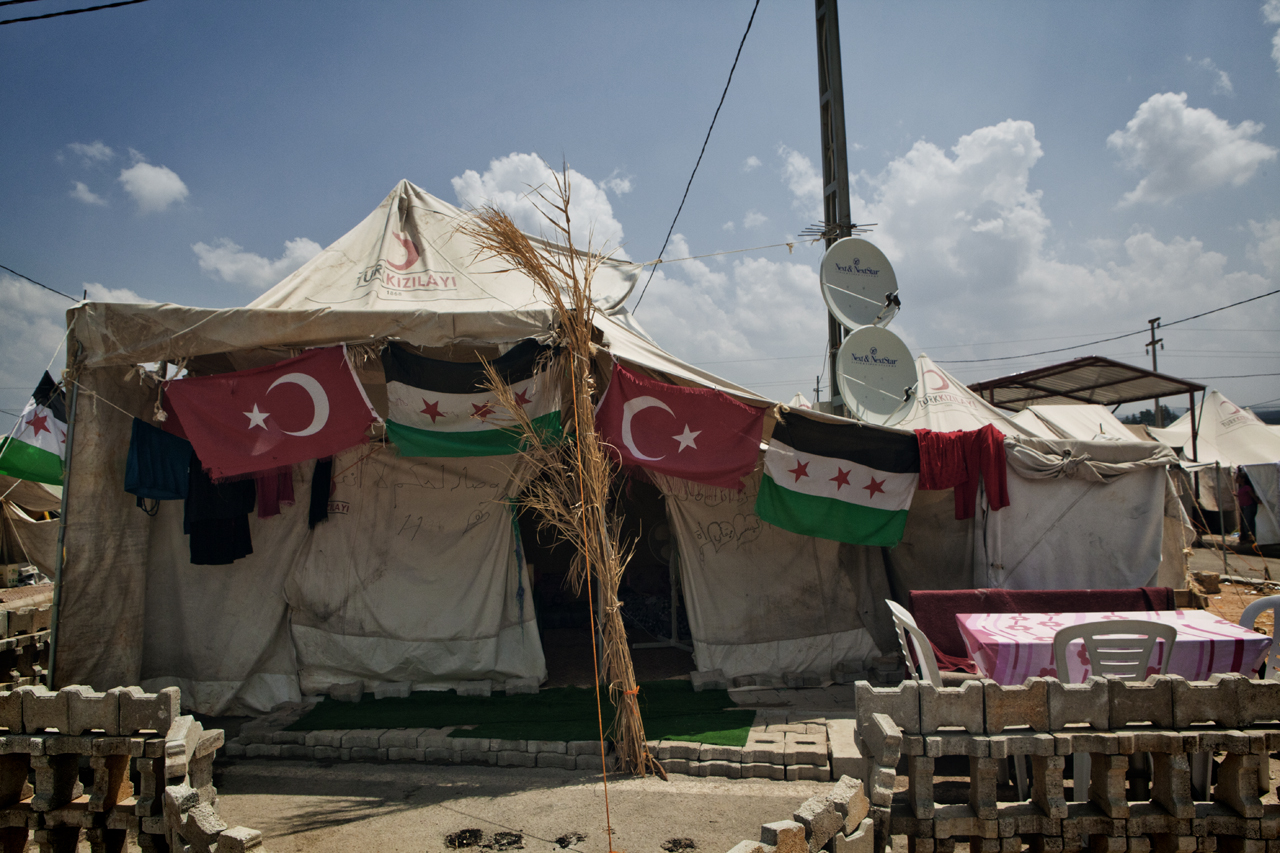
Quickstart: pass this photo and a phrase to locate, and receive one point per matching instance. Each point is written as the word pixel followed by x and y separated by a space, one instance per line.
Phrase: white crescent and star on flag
pixel 319 401
pixel 686 439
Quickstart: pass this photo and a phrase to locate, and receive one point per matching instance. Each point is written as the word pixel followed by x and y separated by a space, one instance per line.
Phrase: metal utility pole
pixel 1154 323
pixel 835 157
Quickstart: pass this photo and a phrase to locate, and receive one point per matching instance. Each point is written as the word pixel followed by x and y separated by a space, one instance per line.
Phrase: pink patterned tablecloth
pixel 1012 647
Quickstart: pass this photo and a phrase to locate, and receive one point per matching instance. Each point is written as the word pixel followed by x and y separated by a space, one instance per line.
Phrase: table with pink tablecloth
pixel 1012 647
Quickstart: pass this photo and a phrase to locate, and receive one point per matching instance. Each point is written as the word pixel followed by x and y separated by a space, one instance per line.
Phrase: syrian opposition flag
pixel 846 482
pixel 695 434
pixel 302 408
pixel 442 408
pixel 39 444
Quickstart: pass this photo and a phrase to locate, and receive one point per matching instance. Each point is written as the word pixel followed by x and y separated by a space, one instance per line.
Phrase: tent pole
pixel 1195 430
pixel 59 555
pixel 1222 524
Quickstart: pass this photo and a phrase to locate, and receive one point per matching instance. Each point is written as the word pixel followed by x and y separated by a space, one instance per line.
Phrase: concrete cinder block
pixel 1022 705
pixel 347 691
pixel 718 752
pixel 43 709
pixel 723 769
pixel 1149 701
pixel 392 690
pixel 516 758
pixel 952 706
pixel 513 686
pixel 497 745
pixel 765 748
pixel 1237 785
pixel 540 746
pixel 283 737
pixel 785 836
pixel 847 672
pixel 405 753
pixel 367 753
pixel 402 738
pixel 483 687
pixel 239 839
pixel 297 751
pixel 11 710
pixel 582 747
pixel 558 760
pixel 437 754
pixel 883 740
pixel 849 797
pixel 481 744
pixel 1171 784
pixel 678 765
pixel 141 711
pixel 751 847
pixel 1079 703
pixel 326 737
pixel 808 773
pixel 901 704
pixel 842 747
pixel 710 680
pixel 264 750
pixel 363 738
pixel 821 821
pixel 860 840
pixel 1212 701
pixel 1258 701
pixel 805 749
pixel 88 710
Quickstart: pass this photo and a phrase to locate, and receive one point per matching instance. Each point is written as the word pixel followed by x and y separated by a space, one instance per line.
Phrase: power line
pixel 1240 376
pixel 1108 340
pixel 33 281
pixel 683 198
pixel 14 2
pixel 71 12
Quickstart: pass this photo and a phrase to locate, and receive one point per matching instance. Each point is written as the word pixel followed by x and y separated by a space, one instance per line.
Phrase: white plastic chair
pixel 909 635
pixel 1120 648
pixel 1250 616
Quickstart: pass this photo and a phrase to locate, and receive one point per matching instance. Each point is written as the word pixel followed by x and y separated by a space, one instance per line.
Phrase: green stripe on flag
pixel 828 518
pixel 26 462
pixel 489 442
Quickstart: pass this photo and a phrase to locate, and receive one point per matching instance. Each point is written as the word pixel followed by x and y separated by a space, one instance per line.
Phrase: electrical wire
pixel 1114 338
pixel 36 283
pixel 672 229
pixel 71 12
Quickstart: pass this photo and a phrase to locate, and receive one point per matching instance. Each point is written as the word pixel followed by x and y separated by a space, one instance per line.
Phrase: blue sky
pixel 1042 174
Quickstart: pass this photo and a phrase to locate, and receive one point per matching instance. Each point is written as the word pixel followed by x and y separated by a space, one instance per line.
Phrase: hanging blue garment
pixel 157 464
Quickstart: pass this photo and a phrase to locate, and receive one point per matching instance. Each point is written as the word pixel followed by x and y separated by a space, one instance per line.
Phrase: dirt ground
pixel 304 806
pixel 1258 565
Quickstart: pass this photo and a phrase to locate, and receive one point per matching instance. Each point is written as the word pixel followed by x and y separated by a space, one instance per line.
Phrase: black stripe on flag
pixel 53 398
pixel 894 452
pixel 451 377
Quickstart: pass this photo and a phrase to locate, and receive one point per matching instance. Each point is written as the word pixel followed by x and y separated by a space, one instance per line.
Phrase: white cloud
pixel 95 292
pixel 93 152
pixel 1271 12
pixel 510 184
pixel 82 193
pixel 804 181
pixel 754 219
pixel 154 188
pixel 1267 249
pixel 1185 150
pixel 1221 82
pixel 230 262
pixel 617 183
pixel 751 163
pixel 729 226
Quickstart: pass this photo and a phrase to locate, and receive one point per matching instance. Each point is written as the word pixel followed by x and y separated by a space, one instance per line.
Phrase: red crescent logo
pixel 945 384
pixel 410 250
pixel 1234 408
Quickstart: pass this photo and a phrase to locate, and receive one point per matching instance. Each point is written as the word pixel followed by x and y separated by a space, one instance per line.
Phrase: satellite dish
pixel 858 284
pixel 876 376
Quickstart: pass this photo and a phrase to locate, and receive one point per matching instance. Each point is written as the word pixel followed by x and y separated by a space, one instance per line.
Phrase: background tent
pixel 944 404
pixel 25 533
pixel 1086 421
pixel 1231 437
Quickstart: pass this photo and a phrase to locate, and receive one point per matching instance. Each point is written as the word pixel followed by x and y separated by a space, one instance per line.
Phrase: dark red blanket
pixel 935 610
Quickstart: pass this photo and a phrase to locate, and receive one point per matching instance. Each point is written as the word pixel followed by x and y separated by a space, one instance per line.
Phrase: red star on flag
pixel 432 409
pixel 523 399
pixel 801 470
pixel 841 479
pixel 482 410
pixel 38 424
pixel 874 487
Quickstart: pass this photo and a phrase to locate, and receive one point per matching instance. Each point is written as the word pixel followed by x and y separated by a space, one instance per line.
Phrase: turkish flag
pixel 301 408
pixel 693 433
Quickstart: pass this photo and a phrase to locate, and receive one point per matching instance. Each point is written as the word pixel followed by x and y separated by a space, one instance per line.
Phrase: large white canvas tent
pixel 25 532
pixel 944 404
pixel 1229 436
pixel 1085 421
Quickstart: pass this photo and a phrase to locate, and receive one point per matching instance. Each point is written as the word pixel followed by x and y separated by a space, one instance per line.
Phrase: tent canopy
pixel 1227 434
pixel 1092 379
pixel 944 404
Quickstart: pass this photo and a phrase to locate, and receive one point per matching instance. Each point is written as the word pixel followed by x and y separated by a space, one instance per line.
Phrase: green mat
pixel 671 711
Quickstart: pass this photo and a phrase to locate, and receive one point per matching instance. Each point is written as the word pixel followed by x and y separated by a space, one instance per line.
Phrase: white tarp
pixel 762 600
pixel 1226 434
pixel 1266 485
pixel 1087 422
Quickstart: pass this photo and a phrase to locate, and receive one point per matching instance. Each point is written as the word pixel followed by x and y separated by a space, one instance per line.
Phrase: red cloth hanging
pixel 959 460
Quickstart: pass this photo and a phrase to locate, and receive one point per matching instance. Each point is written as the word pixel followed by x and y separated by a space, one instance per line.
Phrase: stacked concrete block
pixel 1038 725
pixel 24 646
pixel 122 733
pixel 837 820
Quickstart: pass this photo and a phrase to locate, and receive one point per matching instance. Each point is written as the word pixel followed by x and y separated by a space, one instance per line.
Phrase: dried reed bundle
pixel 569 478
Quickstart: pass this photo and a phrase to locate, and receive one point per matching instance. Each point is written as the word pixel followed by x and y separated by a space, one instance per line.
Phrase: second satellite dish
pixel 876 376
pixel 858 284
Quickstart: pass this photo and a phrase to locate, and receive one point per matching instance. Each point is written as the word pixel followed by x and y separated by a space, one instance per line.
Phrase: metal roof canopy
pixel 1092 379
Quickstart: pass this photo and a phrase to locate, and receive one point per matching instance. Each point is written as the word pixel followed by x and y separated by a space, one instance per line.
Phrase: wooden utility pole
pixel 1154 323
pixel 837 220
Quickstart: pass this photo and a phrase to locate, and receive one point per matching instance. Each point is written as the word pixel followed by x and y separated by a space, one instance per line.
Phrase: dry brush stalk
pixel 569 478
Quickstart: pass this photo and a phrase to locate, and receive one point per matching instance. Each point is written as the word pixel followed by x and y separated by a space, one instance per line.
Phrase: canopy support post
pixel 59 557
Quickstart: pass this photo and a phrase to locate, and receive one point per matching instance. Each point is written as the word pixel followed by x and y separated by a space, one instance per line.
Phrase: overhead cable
pixel 37 284
pixel 672 229
pixel 1114 338
pixel 71 12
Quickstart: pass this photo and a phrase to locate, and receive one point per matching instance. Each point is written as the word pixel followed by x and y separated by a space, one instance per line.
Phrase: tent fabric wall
pixel 1266 485
pixel 1087 422
pixel 36 539
pixel 762 600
